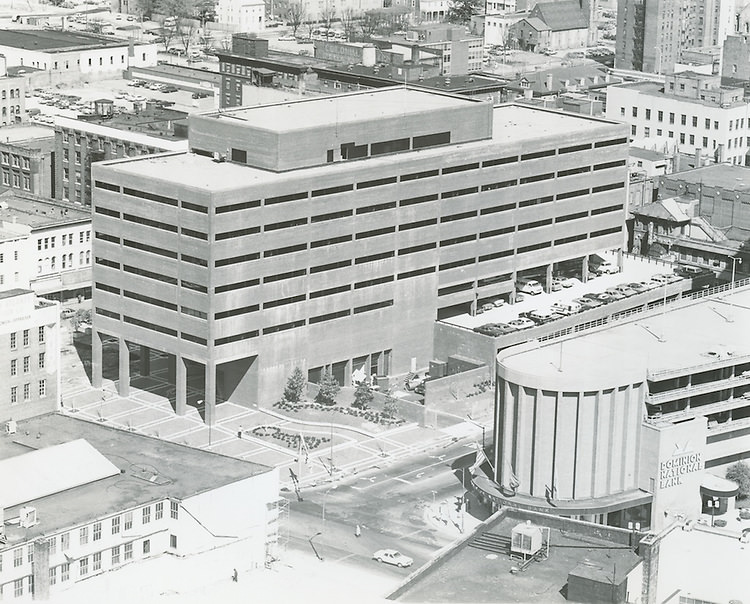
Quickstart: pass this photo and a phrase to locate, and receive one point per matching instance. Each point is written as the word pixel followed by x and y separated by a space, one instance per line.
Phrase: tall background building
pixel 652 35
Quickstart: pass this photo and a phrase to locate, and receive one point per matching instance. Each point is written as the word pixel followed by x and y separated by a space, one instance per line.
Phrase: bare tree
pixel 294 12
pixel 349 20
pixel 184 14
pixel 371 21
pixel 328 13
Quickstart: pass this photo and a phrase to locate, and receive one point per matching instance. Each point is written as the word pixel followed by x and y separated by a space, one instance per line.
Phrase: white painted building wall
pixel 728 131
pixel 111 60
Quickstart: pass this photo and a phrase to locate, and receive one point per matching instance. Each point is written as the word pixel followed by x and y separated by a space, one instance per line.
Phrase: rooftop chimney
pixel 549 81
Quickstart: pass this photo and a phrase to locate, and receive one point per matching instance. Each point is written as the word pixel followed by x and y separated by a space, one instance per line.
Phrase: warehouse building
pixel 331 233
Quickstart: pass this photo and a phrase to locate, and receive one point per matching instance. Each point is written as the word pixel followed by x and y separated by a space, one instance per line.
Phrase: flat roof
pixel 511 123
pixel 346 108
pixel 694 334
pixel 29 134
pixel 51 470
pixel 480 570
pixel 39 212
pixel 52 40
pixel 149 469
pixel 725 176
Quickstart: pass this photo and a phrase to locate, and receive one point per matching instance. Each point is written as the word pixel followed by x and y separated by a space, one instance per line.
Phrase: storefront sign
pixel 672 470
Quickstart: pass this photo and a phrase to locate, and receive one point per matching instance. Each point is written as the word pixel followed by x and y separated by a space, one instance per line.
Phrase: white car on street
pixel 391 556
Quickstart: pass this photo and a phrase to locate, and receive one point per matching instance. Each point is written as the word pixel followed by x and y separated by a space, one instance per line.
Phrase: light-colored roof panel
pixel 359 107
pixel 25 478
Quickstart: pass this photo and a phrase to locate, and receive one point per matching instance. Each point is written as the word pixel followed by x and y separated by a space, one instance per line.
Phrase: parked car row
pixel 156 86
pixel 560 309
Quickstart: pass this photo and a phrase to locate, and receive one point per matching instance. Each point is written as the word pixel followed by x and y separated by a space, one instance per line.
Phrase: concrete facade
pixel 366 217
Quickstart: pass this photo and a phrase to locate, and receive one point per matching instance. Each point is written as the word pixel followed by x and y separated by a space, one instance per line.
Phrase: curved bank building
pixel 630 423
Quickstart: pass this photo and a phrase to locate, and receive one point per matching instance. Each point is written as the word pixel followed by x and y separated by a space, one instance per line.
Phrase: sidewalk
pixel 207 577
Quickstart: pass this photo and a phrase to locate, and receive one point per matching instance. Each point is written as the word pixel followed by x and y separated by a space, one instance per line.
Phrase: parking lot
pixel 635 270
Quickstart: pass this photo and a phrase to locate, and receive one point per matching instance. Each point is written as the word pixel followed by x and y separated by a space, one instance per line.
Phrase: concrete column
pixel 180 382
pixel 505 428
pixel 348 373
pixel 548 285
pixel 171 368
pixel 585 269
pixel 512 295
pixel 145 360
pixel 123 384
pixel 210 393
pixel 96 359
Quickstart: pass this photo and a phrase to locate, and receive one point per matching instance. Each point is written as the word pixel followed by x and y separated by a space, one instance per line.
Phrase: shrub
pixel 740 473
pixel 362 395
pixel 295 386
pixel 329 389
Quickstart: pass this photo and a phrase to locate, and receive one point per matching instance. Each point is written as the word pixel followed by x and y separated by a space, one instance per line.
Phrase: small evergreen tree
pixel 295 386
pixel 390 406
pixel 329 389
pixel 740 473
pixel 363 395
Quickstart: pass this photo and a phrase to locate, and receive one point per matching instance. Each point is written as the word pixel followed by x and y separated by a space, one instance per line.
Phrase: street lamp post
pixel 713 503
pixel 325 498
pixel 735 261
pixel 480 426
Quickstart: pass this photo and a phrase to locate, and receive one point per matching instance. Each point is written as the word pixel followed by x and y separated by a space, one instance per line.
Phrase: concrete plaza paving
pixel 342 450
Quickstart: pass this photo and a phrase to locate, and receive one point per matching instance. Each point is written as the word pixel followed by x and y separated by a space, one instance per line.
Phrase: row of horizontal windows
pixel 220 289
pixel 236 311
pixel 366 184
pixel 300 323
pixel 417 175
pixel 149 300
pixel 284 276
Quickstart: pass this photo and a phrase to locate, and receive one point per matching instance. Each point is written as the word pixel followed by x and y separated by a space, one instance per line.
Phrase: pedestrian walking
pixel 357 531
pixel 234 575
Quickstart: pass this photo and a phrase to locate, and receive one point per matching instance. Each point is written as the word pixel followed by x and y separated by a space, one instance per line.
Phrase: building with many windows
pixel 59 257
pixel 689 111
pixel 81 499
pixel 12 97
pixel 29 352
pixel 80 142
pixel 627 422
pixel 332 232
pixel 651 36
pixel 27 159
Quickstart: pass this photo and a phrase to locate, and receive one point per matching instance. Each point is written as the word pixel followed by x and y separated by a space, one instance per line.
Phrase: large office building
pixel 330 233
pixel 81 499
pixel 629 422
pixel 688 111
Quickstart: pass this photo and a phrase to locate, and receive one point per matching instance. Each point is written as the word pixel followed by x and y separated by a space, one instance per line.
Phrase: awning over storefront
pixel 716 486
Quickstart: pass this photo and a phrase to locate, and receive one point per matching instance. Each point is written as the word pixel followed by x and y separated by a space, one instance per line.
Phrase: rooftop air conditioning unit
pixel 10 427
pixel 28 516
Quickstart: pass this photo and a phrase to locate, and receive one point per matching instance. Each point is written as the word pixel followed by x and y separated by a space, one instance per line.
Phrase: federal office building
pixel 333 232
